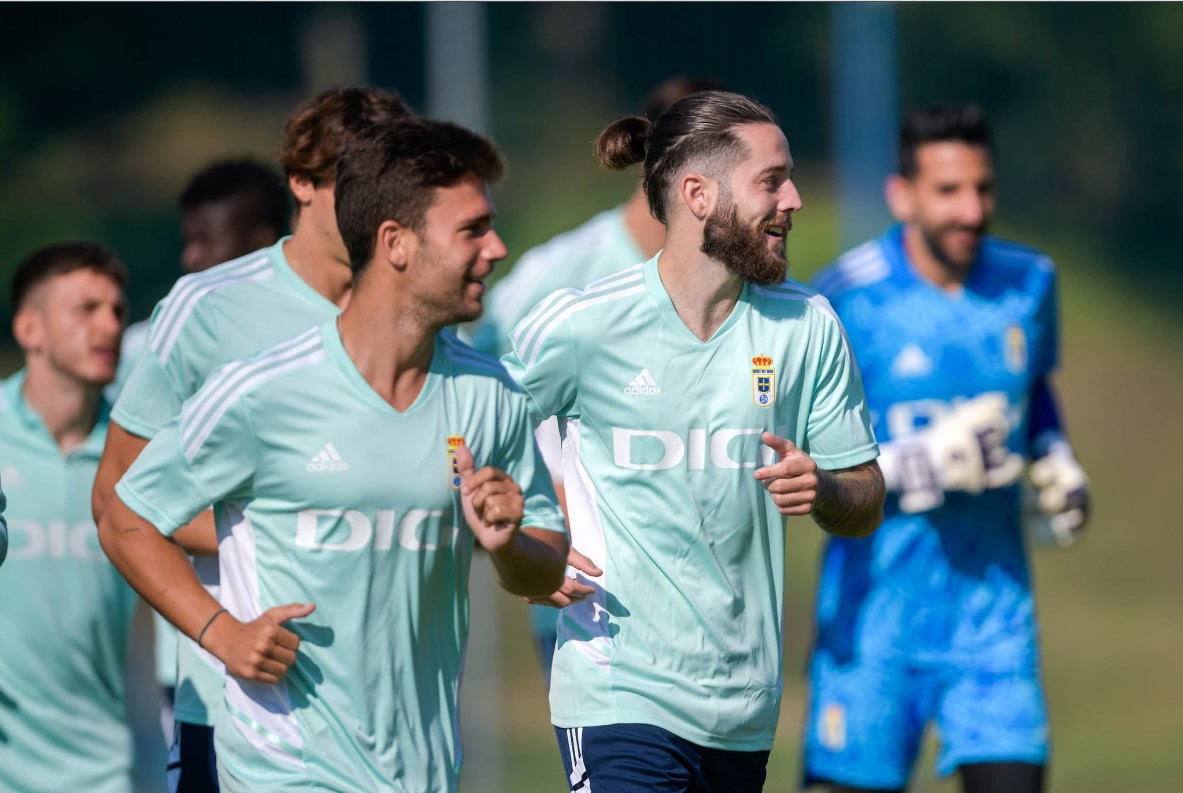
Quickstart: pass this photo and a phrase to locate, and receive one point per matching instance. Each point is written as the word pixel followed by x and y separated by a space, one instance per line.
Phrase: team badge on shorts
pixel 763 381
pixel 1016 349
pixel 454 443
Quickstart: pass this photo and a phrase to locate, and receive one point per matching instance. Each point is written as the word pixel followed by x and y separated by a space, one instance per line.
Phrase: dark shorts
pixel 192 764
pixel 639 758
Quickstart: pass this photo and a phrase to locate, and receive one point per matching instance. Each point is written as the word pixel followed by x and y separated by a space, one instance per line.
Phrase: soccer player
pixel 228 311
pixel 67 612
pixel 705 396
pixel 229 209
pixel 933 619
pixel 608 242
pixel 342 461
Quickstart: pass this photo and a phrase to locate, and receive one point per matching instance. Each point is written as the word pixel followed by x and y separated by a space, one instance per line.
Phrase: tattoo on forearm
pixel 850 501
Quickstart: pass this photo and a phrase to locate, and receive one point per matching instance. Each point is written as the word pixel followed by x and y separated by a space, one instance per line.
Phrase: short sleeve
pixel 518 455
pixel 206 454
pixel 543 360
pixel 838 430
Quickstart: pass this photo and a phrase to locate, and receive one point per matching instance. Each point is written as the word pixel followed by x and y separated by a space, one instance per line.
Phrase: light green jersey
pixel 600 247
pixel 65 619
pixel 662 435
pixel 325 494
pixel 206 320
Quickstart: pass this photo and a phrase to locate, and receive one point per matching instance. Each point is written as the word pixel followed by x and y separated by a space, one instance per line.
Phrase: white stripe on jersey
pixel 863 265
pixel 553 302
pixel 589 616
pixel 533 341
pixel 196 425
pixel 190 290
pixel 269 707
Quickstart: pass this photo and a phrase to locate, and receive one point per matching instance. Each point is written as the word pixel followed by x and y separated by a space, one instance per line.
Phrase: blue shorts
pixel 192 764
pixel 640 758
pixel 866 721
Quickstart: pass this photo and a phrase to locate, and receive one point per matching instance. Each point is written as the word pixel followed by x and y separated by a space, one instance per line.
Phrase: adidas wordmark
pixel 642 385
pixel 327 459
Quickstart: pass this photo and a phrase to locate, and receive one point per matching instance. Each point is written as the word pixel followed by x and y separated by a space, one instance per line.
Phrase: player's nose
pixel 495 249
pixel 789 199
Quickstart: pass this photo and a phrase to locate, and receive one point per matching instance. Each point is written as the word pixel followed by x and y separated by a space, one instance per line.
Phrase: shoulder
pixel 857 268
pixel 584 308
pixel 793 299
pixel 1011 264
pixel 211 291
pixel 239 377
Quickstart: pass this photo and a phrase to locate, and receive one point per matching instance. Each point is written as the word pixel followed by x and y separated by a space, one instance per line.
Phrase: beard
pixel 741 249
pixel 952 258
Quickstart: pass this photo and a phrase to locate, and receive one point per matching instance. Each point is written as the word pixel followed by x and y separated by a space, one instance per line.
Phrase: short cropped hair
pixel 390 172
pixel 321 127
pixel 700 127
pixel 938 124
pixel 60 259
pixel 260 186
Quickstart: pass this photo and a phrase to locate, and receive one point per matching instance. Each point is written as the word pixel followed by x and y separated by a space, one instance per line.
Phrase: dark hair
pixel 258 184
pixel 321 127
pixel 964 123
pixel 390 172
pixel 667 93
pixel 60 259
pixel 701 126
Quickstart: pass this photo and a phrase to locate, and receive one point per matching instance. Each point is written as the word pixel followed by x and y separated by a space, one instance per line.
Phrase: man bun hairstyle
pixel 60 259
pixel 320 128
pixel 391 171
pixel 939 124
pixel 700 129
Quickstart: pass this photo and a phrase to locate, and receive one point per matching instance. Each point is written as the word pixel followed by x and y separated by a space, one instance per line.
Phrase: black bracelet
pixel 208 623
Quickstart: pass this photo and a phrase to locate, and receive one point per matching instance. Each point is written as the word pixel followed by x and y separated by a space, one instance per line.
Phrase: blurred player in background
pixel 67 612
pixel 705 396
pixel 609 242
pixel 344 459
pixel 933 619
pixel 228 311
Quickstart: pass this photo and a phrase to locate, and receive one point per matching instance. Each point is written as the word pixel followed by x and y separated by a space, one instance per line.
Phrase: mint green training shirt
pixel 207 319
pixel 65 619
pixel 662 435
pixel 328 495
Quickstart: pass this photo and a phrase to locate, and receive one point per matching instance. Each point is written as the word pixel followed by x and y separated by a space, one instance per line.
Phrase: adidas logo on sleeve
pixel 327 459
pixel 642 385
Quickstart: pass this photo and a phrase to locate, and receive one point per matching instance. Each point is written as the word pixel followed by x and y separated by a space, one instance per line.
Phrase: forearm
pixel 850 501
pixel 156 567
pixel 532 565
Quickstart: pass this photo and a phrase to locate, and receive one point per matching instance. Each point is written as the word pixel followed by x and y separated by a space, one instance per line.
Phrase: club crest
pixel 454 443
pixel 763 381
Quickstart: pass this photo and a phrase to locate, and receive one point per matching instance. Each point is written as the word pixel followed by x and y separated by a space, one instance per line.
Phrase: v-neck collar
pixel 665 305
pixel 335 350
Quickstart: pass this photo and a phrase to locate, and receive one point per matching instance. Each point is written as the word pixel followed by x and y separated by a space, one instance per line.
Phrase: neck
pixel 647 231
pixel 312 260
pixel 388 341
pixel 703 291
pixel 928 265
pixel 68 407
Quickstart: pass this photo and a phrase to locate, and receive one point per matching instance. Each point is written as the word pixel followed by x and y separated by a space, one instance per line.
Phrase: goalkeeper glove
pixel 964 451
pixel 1056 499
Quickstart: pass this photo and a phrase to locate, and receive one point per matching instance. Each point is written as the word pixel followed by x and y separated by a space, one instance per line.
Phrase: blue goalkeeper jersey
pixel 950 585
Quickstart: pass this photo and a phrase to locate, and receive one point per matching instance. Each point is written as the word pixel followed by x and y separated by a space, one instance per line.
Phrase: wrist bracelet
pixel 208 623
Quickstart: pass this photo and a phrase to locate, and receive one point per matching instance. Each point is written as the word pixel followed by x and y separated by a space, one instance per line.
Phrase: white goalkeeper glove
pixel 1056 499
pixel 964 451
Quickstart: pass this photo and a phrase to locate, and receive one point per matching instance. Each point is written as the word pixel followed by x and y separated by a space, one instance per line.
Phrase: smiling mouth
pixel 777 230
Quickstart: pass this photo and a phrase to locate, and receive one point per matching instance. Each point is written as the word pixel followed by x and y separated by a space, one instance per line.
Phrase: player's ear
pixel 302 189
pixel 698 193
pixel 900 195
pixel 396 244
pixel 28 328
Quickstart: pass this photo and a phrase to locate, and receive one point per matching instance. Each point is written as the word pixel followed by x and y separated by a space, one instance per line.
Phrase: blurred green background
pixel 105 111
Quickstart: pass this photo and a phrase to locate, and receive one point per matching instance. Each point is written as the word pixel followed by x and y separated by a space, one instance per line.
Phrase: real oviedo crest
pixel 454 443
pixel 763 381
